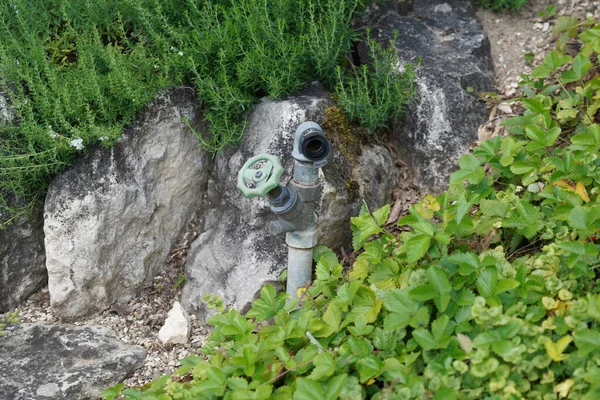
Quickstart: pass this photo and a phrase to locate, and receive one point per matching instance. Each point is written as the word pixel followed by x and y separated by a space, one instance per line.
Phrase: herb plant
pixel 490 291
pixel 75 73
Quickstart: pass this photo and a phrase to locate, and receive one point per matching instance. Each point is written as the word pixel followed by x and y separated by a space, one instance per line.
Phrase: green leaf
pixel 369 367
pixel 416 247
pixel 363 227
pixel 112 392
pixel 441 286
pixel 552 61
pixel 333 316
pixel 324 366
pixel 487 282
pixel 381 215
pixel 581 65
pixel 494 208
pixel 237 382
pixel 587 341
pixel 505 285
pixel 308 389
pixel 425 339
pixel 583 218
pixel 335 387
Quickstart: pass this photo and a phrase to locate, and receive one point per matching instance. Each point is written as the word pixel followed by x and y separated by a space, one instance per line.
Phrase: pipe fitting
pixel 311 145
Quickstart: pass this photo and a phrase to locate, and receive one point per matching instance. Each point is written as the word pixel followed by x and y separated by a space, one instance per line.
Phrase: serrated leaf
pixel 324 366
pixel 416 247
pixel 465 342
pixel 308 389
pixel 381 215
pixel 587 341
pixel 237 382
pixel 425 339
pixel 494 208
pixel 441 286
pixel 369 367
pixel 335 387
pixel 506 285
pixel 333 316
pixel 487 282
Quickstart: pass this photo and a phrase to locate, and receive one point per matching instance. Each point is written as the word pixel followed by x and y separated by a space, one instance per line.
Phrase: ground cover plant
pixel 489 291
pixel 75 73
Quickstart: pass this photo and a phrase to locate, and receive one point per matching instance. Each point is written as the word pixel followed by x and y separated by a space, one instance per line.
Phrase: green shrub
pixel 8 318
pixel 500 5
pixel 490 291
pixel 377 92
pixel 76 72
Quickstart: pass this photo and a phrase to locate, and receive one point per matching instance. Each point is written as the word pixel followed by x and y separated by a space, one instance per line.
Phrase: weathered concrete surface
pixel 111 218
pixel 63 362
pixel 443 121
pixel 22 260
pixel 234 254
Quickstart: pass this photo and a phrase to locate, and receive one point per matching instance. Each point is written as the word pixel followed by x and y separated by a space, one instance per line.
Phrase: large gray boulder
pixel 442 123
pixel 63 362
pixel 112 217
pixel 235 255
pixel 22 259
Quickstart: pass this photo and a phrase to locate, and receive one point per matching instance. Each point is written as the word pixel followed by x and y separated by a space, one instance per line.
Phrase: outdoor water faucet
pixel 293 204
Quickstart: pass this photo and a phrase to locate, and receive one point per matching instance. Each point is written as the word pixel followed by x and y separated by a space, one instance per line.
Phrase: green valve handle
pixel 259 175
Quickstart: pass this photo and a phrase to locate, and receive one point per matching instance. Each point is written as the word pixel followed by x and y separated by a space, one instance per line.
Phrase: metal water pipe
pixel 293 204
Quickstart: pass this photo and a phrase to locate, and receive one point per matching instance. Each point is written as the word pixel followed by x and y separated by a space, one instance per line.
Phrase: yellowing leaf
pixel 563 388
pixel 555 350
pixel 580 190
pixel 300 291
pixel 564 184
pixel 427 206
pixel 370 381
pixel 465 342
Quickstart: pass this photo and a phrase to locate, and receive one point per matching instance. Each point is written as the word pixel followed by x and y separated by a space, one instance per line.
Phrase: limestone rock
pixel 63 362
pixel 22 260
pixel 111 218
pixel 235 255
pixel 177 326
pixel 442 123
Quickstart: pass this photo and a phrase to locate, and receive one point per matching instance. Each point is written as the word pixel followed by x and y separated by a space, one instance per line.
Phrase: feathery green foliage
pixel 489 292
pixel 74 73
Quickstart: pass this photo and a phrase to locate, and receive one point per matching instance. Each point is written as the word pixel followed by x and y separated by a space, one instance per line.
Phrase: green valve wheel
pixel 259 175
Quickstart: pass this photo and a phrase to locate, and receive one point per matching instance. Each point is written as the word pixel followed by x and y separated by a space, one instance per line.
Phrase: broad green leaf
pixel 425 339
pixel 416 247
pixel 487 282
pixel 369 367
pixel 324 366
pixel 494 208
pixel 363 227
pixel 335 387
pixel 308 389
pixel 441 286
pixel 506 285
pixel 381 215
pixel 333 316
pixel 587 341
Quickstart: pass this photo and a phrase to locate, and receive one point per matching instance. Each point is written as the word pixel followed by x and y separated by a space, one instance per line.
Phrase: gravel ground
pixel 138 322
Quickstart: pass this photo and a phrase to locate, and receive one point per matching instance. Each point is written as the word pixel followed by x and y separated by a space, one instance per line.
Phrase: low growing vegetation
pixel 75 73
pixel 490 291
